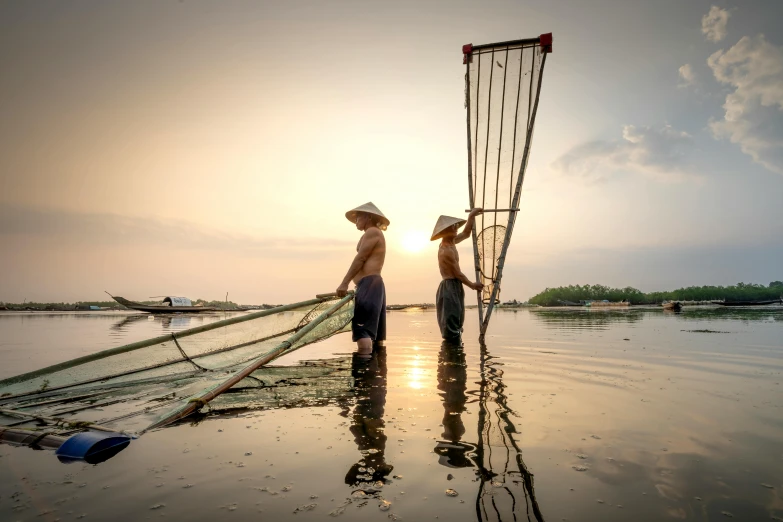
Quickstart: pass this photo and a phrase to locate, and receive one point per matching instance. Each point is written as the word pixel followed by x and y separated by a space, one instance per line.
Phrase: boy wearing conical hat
pixel 369 317
pixel 450 299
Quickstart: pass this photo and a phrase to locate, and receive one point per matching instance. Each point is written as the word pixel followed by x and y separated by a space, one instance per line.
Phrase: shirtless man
pixel 369 317
pixel 450 299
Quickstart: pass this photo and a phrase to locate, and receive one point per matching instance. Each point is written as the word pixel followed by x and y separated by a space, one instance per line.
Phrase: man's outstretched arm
pixel 369 241
pixel 462 236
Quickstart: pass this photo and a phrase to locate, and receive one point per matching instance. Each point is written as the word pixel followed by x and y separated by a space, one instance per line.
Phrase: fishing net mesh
pixel 135 379
pixel 501 89
pixel 489 243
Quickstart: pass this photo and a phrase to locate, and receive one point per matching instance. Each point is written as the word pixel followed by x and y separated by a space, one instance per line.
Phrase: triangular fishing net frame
pixel 502 90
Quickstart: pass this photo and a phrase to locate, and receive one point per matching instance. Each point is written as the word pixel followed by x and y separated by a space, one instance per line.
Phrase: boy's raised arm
pixel 462 236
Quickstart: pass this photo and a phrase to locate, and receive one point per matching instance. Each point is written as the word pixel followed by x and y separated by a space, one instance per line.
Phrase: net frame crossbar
pixel 469 51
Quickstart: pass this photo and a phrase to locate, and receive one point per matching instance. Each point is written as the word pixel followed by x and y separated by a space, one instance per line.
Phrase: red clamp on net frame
pixel 467 51
pixel 545 41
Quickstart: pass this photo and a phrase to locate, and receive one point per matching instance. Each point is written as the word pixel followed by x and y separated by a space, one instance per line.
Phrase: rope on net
pixel 191 361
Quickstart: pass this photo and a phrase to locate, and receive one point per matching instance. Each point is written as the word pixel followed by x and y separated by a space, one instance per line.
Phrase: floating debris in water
pixel 385 505
pixel 187 486
pixel 451 493
pixel 599 501
pixel 769 486
pixel 580 468
pixel 727 514
pixel 313 497
pixel 339 510
pixel 581 456
pixel 449 477
pixel 698 498
pixel 158 506
pixel 248 453
pixel 596 437
pixel 306 507
pixel 286 489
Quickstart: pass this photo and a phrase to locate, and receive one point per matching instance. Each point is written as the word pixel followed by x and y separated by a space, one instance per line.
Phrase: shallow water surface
pixel 562 415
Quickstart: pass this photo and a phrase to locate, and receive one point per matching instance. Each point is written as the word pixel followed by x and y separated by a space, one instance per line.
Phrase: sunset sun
pixel 414 241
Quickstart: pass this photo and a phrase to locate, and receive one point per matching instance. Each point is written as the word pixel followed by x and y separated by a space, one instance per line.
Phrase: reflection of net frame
pixel 518 125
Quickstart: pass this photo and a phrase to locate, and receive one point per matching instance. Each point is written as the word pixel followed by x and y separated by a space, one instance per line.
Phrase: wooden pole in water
pixel 471 194
pixel 197 402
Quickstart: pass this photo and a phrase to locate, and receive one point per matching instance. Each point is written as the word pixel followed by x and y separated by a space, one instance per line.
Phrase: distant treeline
pixel 738 292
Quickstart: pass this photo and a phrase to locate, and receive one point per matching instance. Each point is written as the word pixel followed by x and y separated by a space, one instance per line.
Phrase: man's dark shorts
pixel 450 305
pixel 369 316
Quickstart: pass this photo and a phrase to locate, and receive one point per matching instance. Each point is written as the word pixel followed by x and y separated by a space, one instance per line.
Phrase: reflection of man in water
pixel 452 382
pixel 367 421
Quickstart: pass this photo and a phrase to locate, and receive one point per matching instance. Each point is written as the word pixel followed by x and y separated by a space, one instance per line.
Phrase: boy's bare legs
pixel 365 346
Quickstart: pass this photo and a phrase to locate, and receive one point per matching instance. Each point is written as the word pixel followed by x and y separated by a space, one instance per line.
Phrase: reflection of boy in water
pixel 452 382
pixel 367 421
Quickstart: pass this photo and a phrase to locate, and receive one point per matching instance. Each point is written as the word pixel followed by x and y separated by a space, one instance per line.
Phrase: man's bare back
pixel 448 257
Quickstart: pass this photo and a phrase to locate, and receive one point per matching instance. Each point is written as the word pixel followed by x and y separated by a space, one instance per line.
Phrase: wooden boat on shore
pixel 674 306
pixel 607 304
pixel 749 303
pixel 172 305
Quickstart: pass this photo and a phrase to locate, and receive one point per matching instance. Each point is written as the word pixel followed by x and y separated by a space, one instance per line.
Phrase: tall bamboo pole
pixel 471 194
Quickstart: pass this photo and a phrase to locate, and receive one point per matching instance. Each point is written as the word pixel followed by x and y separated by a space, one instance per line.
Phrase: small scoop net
pixel 140 382
pixel 489 242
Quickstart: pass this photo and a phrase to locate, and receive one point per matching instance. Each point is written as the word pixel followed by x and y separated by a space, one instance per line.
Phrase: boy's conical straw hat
pixel 370 209
pixel 443 223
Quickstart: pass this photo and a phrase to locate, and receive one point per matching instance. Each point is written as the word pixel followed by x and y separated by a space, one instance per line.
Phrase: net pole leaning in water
pixel 285 347
pixel 149 342
pixel 471 191
pixel 515 202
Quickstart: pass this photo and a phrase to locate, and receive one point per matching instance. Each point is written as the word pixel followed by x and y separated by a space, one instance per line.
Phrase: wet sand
pixel 575 415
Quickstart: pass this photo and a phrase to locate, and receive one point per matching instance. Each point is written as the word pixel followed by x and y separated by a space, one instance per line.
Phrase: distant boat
pixel 674 306
pixel 172 305
pixel 748 303
pixel 606 304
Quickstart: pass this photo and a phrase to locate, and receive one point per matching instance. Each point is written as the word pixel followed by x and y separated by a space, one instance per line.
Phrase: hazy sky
pixel 198 148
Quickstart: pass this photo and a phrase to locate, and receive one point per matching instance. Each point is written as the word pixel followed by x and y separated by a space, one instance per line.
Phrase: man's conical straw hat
pixel 443 223
pixel 369 208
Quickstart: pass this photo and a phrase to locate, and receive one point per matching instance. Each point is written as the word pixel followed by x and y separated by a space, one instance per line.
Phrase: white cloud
pixel 687 75
pixel 753 117
pixel 713 24
pixel 661 153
